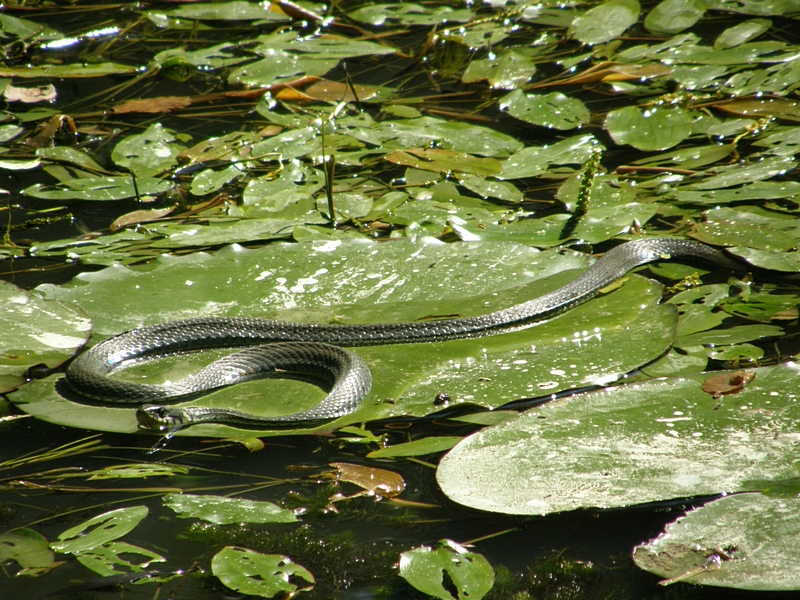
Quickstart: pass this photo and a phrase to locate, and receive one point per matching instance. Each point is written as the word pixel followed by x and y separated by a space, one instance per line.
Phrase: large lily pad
pixel 629 445
pixel 36 331
pixel 332 281
pixel 745 541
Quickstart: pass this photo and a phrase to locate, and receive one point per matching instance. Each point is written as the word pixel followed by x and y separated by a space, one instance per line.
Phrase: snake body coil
pixel 313 350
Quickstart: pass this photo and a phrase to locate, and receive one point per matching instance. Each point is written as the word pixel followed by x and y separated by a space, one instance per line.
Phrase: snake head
pixel 159 418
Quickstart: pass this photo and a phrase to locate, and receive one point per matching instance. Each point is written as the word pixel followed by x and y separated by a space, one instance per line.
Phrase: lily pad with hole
pixel 98 530
pixel 470 573
pixel 256 574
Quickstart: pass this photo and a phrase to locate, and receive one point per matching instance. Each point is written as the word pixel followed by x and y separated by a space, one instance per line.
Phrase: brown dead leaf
pixel 162 104
pixel 333 91
pixel 762 107
pixel 290 9
pixel 290 94
pixel 374 482
pixel 140 216
pixel 607 72
pixel 727 383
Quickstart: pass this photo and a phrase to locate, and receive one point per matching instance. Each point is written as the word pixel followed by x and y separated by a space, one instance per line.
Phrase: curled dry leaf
pixel 375 482
pixel 164 104
pixel 608 72
pixel 727 383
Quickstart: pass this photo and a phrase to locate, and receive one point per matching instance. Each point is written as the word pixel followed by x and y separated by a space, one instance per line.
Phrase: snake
pixel 315 351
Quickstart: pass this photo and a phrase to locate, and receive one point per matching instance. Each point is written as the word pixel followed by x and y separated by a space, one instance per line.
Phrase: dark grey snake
pixel 313 351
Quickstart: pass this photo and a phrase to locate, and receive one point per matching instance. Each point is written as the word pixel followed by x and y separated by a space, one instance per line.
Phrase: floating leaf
pixel 425 567
pixel 534 160
pixel 605 22
pixel 761 190
pixel 771 107
pixel 209 181
pixel 629 445
pixel 291 280
pixel 409 14
pixel 133 471
pixel 100 189
pixel 743 174
pixel 68 71
pixel 741 33
pixel 222 510
pixel 429 445
pixel 745 541
pixel 505 71
pixel 256 574
pixel 238 10
pixel 672 16
pixel 444 161
pixel 36 331
pixel 101 529
pixel 555 110
pixel 653 129
pixel 149 153
pixel 29 549
pixel 105 559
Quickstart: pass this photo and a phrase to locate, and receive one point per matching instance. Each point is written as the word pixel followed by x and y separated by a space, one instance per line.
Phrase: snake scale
pixel 314 351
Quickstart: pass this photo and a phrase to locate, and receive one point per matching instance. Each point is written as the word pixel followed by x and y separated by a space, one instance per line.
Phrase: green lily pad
pixel 36 331
pixel 429 445
pixel 9 132
pixel 761 190
pixel 237 10
pixel 469 572
pixel 534 160
pixel 221 510
pixel 487 188
pixel 297 281
pixel 100 189
pixel 738 174
pixel 209 181
pixel 134 471
pixel 459 136
pixel 630 445
pixel 29 549
pixel 505 71
pixel 737 233
pixel 149 153
pixel 409 14
pixel 672 16
pixel 741 33
pixel 97 531
pixel 255 574
pixel 745 541
pixel 554 110
pixel 105 559
pixel 605 22
pixel 653 129
pixel 77 70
